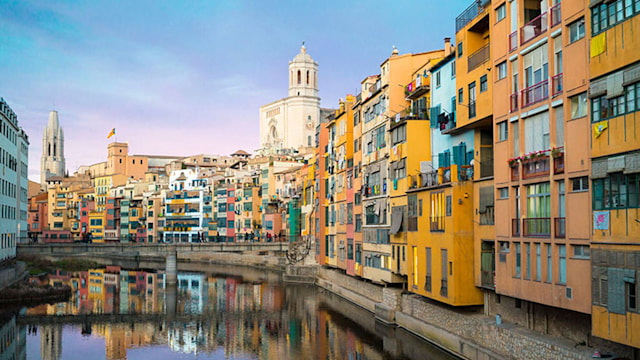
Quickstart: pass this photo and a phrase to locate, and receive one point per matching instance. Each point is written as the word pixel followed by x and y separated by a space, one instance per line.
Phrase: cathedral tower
pixel 303 75
pixel 52 162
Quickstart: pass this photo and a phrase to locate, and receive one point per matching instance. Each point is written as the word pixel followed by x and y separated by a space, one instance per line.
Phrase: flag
pixel 113 132
pixel 599 128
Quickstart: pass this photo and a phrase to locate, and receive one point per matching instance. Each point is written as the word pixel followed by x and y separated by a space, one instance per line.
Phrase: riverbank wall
pixel 464 332
pixel 12 273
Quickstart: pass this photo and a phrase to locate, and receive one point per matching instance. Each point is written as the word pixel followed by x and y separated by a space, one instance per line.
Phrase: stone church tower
pixel 289 124
pixel 52 161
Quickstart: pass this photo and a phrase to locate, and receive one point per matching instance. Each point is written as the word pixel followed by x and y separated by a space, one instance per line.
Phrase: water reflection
pixel 118 314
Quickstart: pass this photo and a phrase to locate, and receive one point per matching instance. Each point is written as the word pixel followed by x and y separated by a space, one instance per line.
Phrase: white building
pixel 289 123
pixel 187 206
pixel 52 162
pixel 14 161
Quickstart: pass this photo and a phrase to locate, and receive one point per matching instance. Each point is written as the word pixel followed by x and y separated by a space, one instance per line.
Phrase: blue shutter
pixel 433 117
pixel 456 155
pixel 469 156
pixel 447 158
pixel 615 284
pixel 441 160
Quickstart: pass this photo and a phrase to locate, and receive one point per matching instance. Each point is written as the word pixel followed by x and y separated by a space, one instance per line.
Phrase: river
pixel 216 312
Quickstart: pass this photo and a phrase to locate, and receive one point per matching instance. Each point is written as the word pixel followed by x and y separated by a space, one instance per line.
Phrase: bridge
pixel 147 249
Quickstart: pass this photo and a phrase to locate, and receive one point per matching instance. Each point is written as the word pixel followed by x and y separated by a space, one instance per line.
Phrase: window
pixel 580 184
pixel 399 135
pixel 610 13
pixel 581 252
pixel 460 96
pixel 448 199
pixel 616 191
pixel 483 83
pixel 536 133
pixel 503 193
pixel 438 79
pixel 503 131
pixel 562 264
pixel 549 256
pixel 459 49
pixel 501 12
pixel 578 106
pixel 576 30
pixel 502 70
pixel 518 260
pixel 427 284
pixel 603 108
pixel 538 263
pixel 453 69
pixel 437 211
pixel 412 213
pixel 528 259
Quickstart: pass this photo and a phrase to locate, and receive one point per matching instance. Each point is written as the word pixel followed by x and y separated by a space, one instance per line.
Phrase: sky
pixel 188 77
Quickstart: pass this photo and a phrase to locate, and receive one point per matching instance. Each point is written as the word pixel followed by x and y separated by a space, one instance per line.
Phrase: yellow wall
pixel 616 54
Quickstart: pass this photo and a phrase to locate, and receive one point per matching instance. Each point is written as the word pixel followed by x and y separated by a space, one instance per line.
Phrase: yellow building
pixel 331 192
pixel 96 225
pixel 103 184
pixel 615 154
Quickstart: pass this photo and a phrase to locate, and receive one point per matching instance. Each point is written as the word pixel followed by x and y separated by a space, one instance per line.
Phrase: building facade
pixel 52 162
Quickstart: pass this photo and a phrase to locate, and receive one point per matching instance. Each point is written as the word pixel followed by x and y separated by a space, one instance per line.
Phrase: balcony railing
pixel 556 85
pixel 515 227
pixel 559 227
pixel 472 110
pixel 479 57
pixel 538 166
pixel 488 278
pixel 469 14
pixel 535 93
pixel 444 288
pixel 515 172
pixel 533 28
pixel 558 163
pixel 513 41
pixel 514 102
pixel 556 15
pixel 536 227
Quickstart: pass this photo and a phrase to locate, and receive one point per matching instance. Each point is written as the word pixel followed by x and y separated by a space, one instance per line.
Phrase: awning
pixel 396 220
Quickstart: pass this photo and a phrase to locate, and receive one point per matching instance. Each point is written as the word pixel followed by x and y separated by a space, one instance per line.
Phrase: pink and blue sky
pixel 188 77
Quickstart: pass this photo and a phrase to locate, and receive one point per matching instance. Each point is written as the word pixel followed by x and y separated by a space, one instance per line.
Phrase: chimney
pixel 447 46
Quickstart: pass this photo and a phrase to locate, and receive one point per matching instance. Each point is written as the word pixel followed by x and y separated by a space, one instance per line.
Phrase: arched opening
pixel 49 151
pixel 307 77
pixel 54 149
pixel 315 79
pixel 299 77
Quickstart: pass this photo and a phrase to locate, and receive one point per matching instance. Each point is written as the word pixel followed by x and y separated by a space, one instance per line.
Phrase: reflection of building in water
pixel 13 341
pixel 50 342
pixel 187 338
pixel 196 286
pixel 121 337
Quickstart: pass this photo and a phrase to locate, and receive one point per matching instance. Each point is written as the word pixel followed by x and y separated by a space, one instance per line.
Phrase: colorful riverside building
pixel 321 163
pixel 410 144
pixel 185 207
pixel 540 255
pixel 614 92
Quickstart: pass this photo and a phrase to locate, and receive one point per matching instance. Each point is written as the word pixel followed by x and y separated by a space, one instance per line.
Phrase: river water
pixel 213 313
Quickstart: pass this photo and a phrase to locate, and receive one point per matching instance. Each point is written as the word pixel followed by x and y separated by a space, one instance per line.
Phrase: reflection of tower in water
pixel 50 342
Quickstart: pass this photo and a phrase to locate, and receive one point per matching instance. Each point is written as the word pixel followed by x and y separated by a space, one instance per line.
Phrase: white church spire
pixel 52 162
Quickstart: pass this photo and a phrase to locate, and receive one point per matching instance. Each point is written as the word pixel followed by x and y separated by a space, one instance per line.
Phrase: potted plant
pixel 513 162
pixel 556 152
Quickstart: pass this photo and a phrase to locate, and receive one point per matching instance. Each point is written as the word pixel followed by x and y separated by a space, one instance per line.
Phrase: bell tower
pixel 303 75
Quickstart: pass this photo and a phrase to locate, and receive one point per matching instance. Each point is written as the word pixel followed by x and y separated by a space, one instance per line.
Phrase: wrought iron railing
pixel 556 15
pixel 538 166
pixel 514 102
pixel 535 93
pixel 533 28
pixel 469 14
pixel 536 227
pixel 513 41
pixel 515 172
pixel 558 163
pixel 559 227
pixel 556 85
pixel 478 57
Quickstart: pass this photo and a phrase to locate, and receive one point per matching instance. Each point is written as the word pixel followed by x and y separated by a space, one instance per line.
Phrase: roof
pixel 241 152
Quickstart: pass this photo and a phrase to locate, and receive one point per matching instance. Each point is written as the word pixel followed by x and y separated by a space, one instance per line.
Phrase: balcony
pixel 535 93
pixel 488 278
pixel 535 167
pixel 556 15
pixel 465 172
pixel 556 85
pixel 476 8
pixel 514 102
pixel 515 227
pixel 416 88
pixel 472 110
pixel 513 41
pixel 446 121
pixel 536 227
pixel 533 28
pixel 479 57
pixel 559 227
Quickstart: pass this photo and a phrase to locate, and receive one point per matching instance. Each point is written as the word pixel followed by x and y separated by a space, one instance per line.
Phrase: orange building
pixel 614 91
pixel 120 162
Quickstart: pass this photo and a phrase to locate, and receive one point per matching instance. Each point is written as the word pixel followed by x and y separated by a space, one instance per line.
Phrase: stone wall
pixel 12 273
pixel 478 337
pixel 369 290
